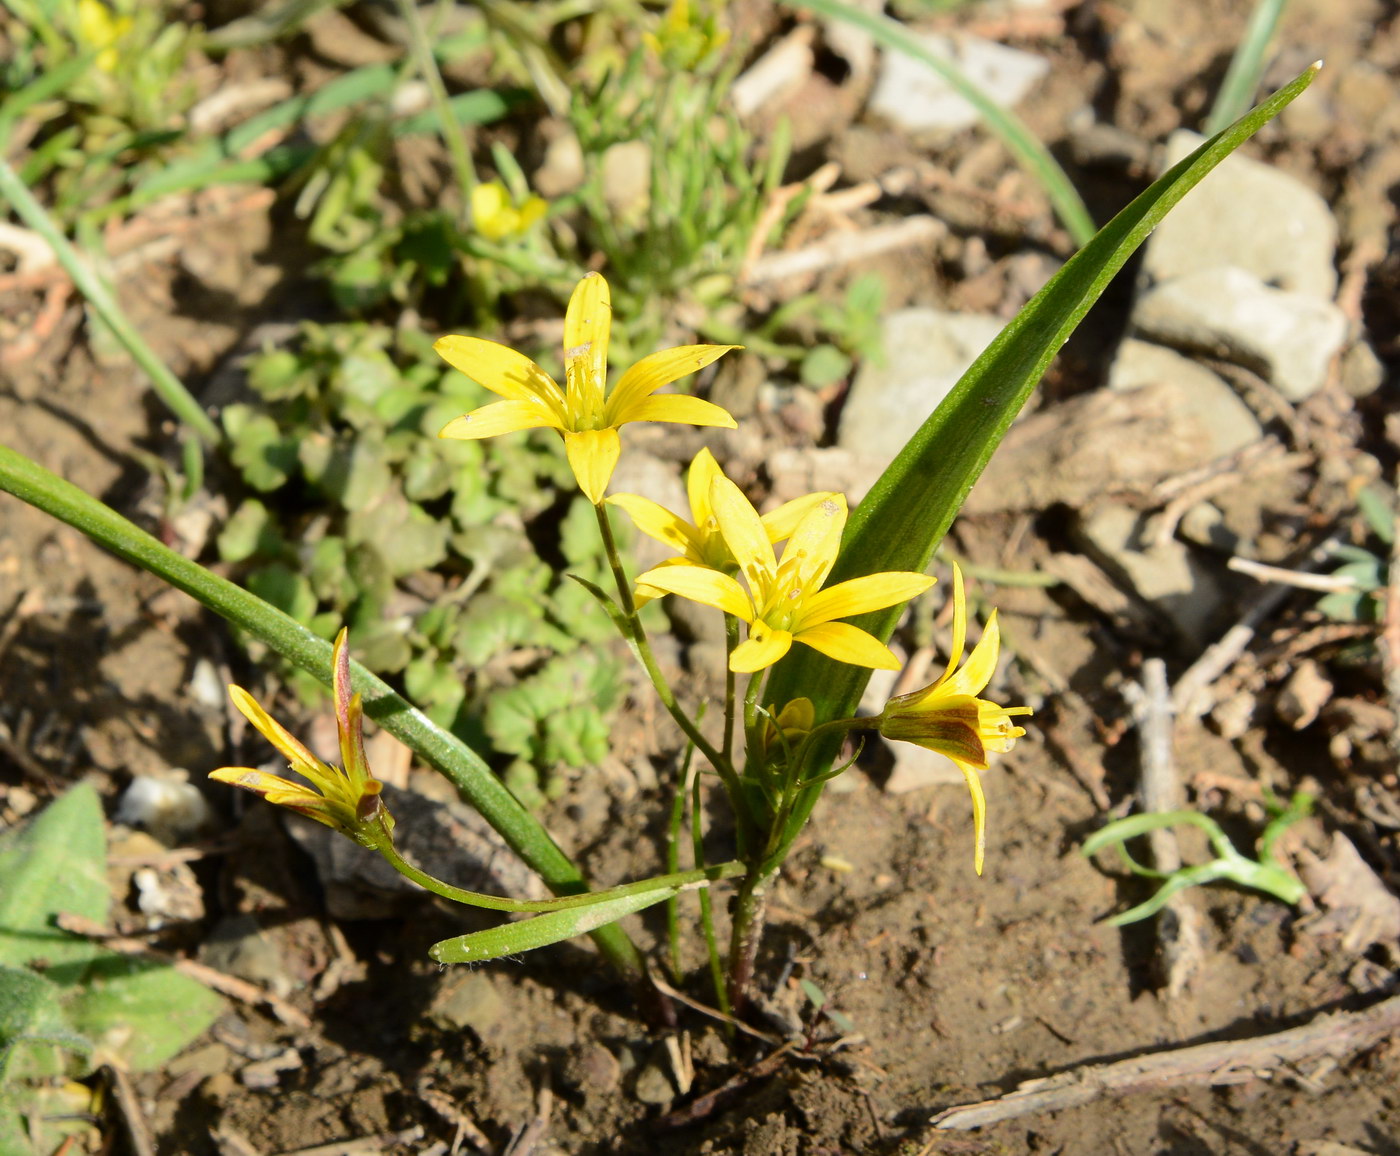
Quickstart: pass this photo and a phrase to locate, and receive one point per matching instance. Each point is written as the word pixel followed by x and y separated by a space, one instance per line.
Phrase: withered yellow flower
pixel 700 542
pixel 344 798
pixel 586 416
pixel 948 717
pixel 783 602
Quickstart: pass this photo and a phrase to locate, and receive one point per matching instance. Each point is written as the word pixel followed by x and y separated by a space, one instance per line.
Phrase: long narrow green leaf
pixel 1033 156
pixel 1131 827
pixel 1246 66
pixel 168 387
pixel 440 748
pixel 542 930
pixel 900 523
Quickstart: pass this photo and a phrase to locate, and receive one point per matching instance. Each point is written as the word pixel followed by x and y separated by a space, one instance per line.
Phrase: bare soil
pixel 956 988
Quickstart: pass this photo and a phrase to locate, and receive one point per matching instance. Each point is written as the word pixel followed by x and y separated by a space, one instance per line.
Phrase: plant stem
pixel 637 637
pixel 168 387
pixel 564 903
pixel 731 640
pixel 750 905
pixel 439 748
pixel 707 909
pixel 448 125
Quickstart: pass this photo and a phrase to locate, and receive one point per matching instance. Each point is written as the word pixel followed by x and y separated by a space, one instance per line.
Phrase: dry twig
pixel 706 1105
pixel 1338 1035
pixel 219 981
pixel 1192 698
pixel 1179 927
pixel 129 1105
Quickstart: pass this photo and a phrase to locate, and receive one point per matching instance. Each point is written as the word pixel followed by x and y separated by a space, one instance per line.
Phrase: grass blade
pixel 1246 66
pixel 168 387
pixel 1033 156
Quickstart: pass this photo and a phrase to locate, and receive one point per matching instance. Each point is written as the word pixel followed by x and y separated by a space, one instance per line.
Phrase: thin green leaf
pixel 1246 66
pixel 47 85
pixel 515 938
pixel 1180 881
pixel 169 388
pixel 1378 508
pixel 1134 825
pixel 1033 156
pixel 904 517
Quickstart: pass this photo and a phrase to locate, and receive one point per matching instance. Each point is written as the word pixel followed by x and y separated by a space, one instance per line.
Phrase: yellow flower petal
pixel 678 407
pixel 654 371
pixel 847 643
pixel 593 455
pixel 698 479
pixel 587 323
pixel 861 595
pixel 812 547
pixel 762 649
pixel 656 521
pixel 301 759
pixel 744 533
pixel 349 715
pixel 781 522
pixel 952 726
pixel 979 816
pixel 501 369
pixel 498 418
pixel 282 792
pixel 493 216
pixel 708 587
pixel 981 664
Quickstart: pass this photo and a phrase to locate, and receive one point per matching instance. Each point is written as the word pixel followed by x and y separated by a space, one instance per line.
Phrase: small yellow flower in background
pixel 948 717
pixel 784 602
pixel 495 216
pixel 100 28
pixel 583 412
pixel 344 799
pixel 684 42
pixel 700 542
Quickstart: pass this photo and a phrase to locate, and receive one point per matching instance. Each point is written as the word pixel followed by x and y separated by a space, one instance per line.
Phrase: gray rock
pixel 1098 443
pixel 1204 397
pixel 653 1086
pixel 1249 215
pixel 1288 338
pixel 1206 526
pixel 1362 372
pixel 592 1069
pixel 1166 576
pixel 917 767
pixel 469 999
pixel 926 352
pixel 238 946
pixel 909 94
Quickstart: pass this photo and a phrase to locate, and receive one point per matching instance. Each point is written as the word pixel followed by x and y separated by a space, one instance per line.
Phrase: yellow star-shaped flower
pixel 948 717
pixel 345 799
pixel 700 542
pixel 783 602
pixel 583 412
